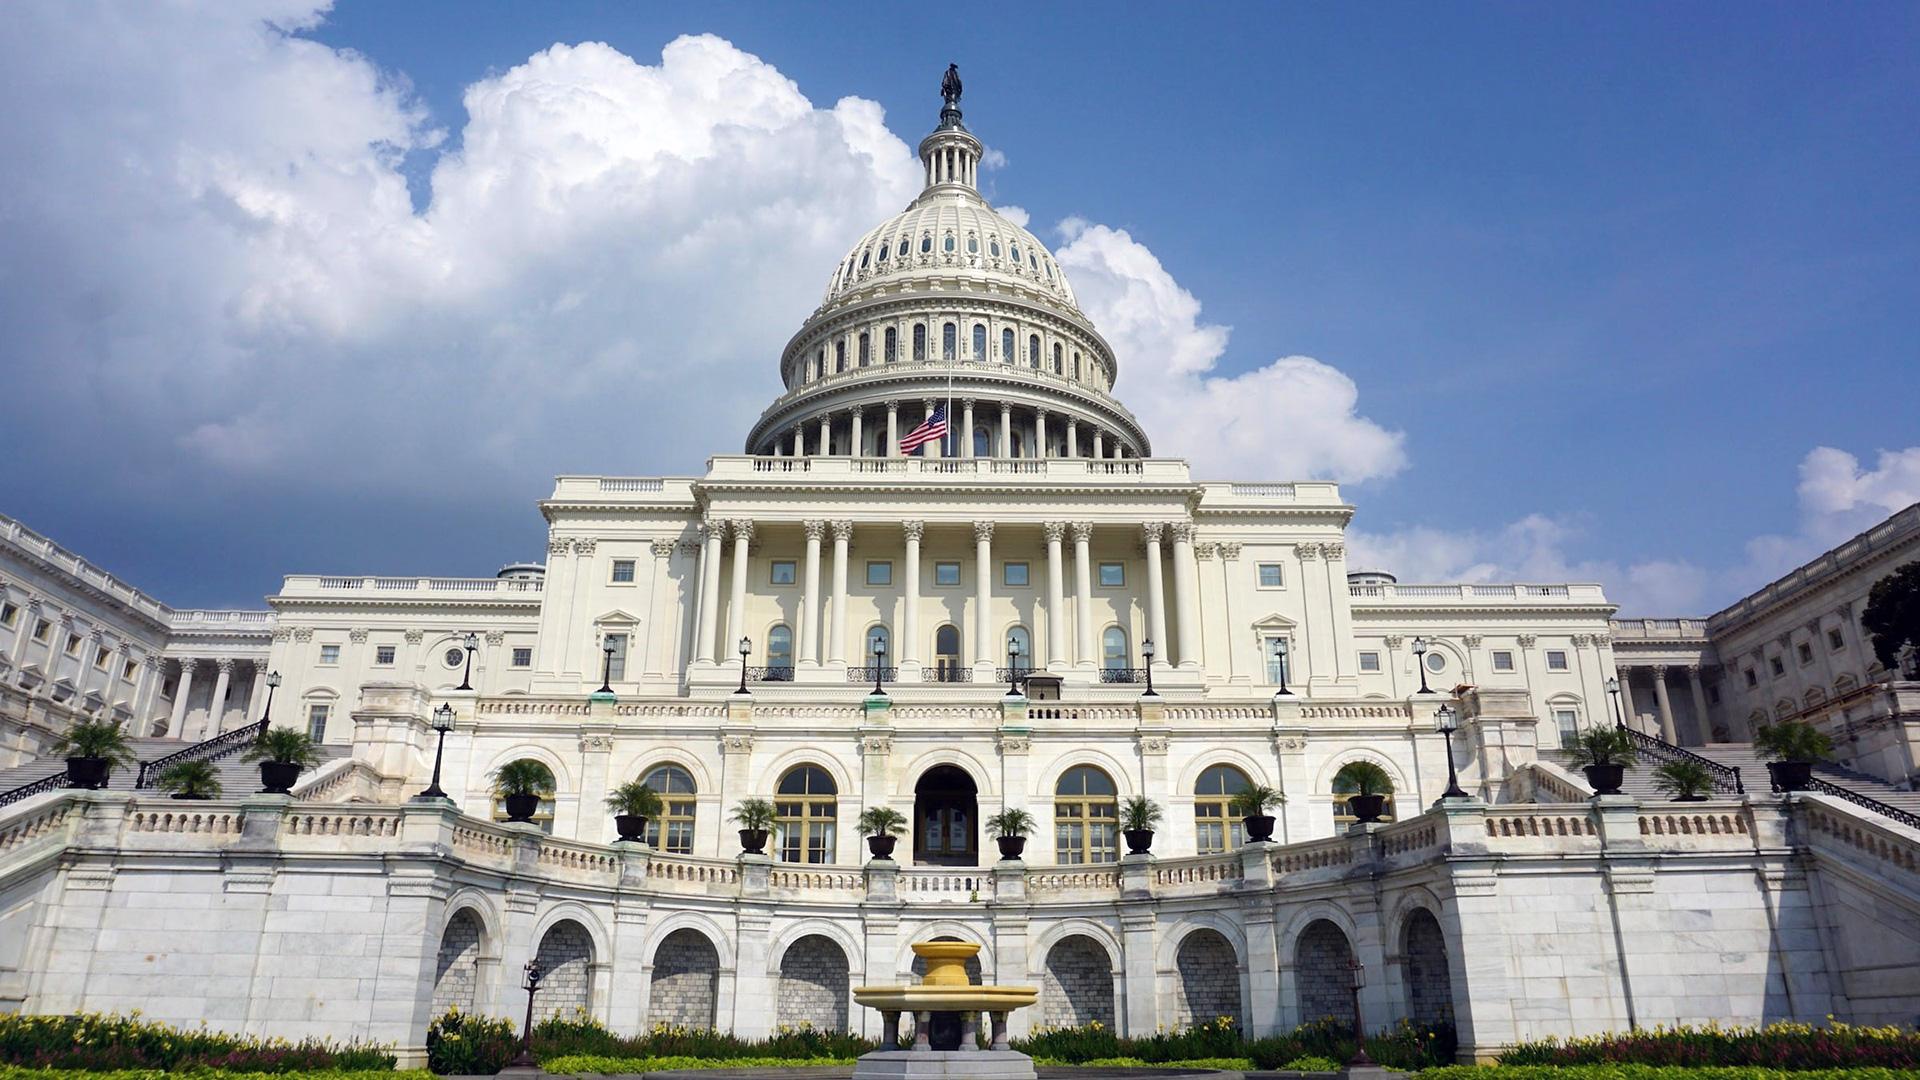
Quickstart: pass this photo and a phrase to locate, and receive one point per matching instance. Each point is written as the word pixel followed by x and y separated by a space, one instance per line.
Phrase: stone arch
pixel 562 778
pixel 639 762
pixel 1048 779
pixel 959 759
pixel 1322 972
pixel 1207 979
pixel 1077 983
pixel 905 963
pixel 814 985
pixel 684 988
pixel 1221 755
pixel 456 970
pixel 1428 981
pixel 1343 758
pixel 566 956
pixel 769 776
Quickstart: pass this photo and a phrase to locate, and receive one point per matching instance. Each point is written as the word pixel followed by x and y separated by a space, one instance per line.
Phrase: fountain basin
pixel 964 998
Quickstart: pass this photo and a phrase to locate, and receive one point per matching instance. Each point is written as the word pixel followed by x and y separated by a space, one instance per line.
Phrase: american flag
pixel 934 428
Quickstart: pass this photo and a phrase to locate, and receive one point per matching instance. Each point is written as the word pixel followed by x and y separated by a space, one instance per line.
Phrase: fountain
pixel 944 994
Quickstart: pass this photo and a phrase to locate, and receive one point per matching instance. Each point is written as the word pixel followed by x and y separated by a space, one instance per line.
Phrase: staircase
pixel 1640 781
pixel 237 777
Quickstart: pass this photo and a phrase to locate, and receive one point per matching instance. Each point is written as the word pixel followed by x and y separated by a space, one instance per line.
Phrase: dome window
pixel 1006 346
pixel 949 343
pixel 882 256
pixel 903 248
pixel 946 243
pixel 919 341
pixel 926 243
pixel 979 342
pixel 839 357
pixel 973 244
pixel 864 257
pixel 866 350
pixel 1016 252
pixel 1059 366
pixel 1033 351
pixel 993 247
pixel 892 345
pixel 1033 261
pixel 1049 266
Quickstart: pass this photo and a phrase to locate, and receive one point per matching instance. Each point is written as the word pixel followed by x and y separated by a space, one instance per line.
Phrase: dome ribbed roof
pixel 948 232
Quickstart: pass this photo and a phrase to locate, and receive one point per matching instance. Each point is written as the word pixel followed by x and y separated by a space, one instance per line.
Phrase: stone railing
pixel 52 554
pixel 946 470
pixel 1833 826
pixel 946 884
pixel 521 589
pixel 816 880
pixel 1061 881
pixel 340 780
pixel 1480 594
pixel 1206 872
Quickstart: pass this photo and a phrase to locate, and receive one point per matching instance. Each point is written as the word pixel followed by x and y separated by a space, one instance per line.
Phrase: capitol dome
pixel 948 310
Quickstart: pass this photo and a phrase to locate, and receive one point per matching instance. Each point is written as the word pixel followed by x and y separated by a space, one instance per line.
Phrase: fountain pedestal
pixel 945 991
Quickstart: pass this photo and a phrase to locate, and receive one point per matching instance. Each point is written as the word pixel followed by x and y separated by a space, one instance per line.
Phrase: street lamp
pixel 1013 667
pixel 1420 661
pixel 607 645
pixel 273 682
pixel 442 723
pixel 879 665
pixel 1444 723
pixel 1146 650
pixel 1359 1058
pixel 524 1059
pixel 472 645
pixel 745 647
pixel 1613 691
pixel 1280 660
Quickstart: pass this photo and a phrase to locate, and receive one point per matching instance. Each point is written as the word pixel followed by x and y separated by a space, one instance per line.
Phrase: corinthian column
pixel 737 598
pixel 1083 592
pixel 1040 434
pixel 1667 731
pixel 177 720
pixel 709 588
pixel 907 649
pixel 1187 594
pixel 808 647
pixel 1156 588
pixel 217 706
pixel 983 589
pixel 1056 598
pixel 837 635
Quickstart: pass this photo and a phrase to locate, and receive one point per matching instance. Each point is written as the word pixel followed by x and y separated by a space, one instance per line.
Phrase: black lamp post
pixel 1613 691
pixel 1146 651
pixel 1420 661
pixel 524 1059
pixel 1444 723
pixel 1280 661
pixel 607 646
pixel 273 683
pixel 879 665
pixel 745 647
pixel 1013 667
pixel 1359 1057
pixel 472 645
pixel 442 723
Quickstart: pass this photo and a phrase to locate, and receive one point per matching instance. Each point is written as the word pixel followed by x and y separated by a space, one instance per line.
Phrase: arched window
pixel 1076 365
pixel 946 653
pixel 891 344
pixel 673 831
pixel 1006 346
pixel 1113 649
pixel 949 342
pixel 866 350
pixel 1018 441
pixel 839 356
pixel 820 364
pixel 1086 813
pixel 864 258
pixel 979 342
pixel 973 244
pixel 1033 351
pixel 919 341
pixel 1346 787
pixel 1059 365
pixel 902 252
pixel 993 247
pixel 926 243
pixel 543 816
pixel 1021 658
pixel 883 252
pixel 805 810
pixel 1016 252
pixel 982 442
pixel 1215 826
pixel 780 654
pixel 878 634
pixel 946 243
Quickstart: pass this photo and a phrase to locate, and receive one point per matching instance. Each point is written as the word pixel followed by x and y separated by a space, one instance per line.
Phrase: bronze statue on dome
pixel 950 85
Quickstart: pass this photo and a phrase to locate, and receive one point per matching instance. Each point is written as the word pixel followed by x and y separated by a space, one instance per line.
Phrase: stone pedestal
pixel 941 1064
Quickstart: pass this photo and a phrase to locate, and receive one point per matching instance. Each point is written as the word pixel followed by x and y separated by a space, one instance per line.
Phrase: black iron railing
pixel 872 674
pixel 946 674
pixel 771 673
pixel 1725 777
pixel 1865 802
pixel 1014 675
pixel 224 745
pixel 1123 674
pixel 56 782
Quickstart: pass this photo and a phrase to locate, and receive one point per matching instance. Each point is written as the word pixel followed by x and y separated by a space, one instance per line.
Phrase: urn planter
pixel 881 847
pixel 1605 779
pixel 1367 808
pixel 1011 846
pixel 88 772
pixel 1138 840
pixel 521 808
pixel 1258 827
pixel 632 827
pixel 277 777
pixel 1790 775
pixel 753 841
pixel 1689 798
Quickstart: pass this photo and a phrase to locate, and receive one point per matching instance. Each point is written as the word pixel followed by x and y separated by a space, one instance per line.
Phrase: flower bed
pixel 1791 1046
pixel 102 1043
pixel 1402 1047
pixel 1658 1072
pixel 462 1044
pixel 593 1063
pixel 15 1072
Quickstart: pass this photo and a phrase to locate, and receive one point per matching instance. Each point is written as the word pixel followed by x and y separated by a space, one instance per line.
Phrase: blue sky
pixel 1611 272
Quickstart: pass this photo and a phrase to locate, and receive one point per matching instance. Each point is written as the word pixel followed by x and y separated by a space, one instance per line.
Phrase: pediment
pixel 616 617
pixel 1274 621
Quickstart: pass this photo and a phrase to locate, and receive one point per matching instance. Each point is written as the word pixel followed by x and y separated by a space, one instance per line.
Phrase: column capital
pixel 742 529
pixel 1056 531
pixel 1525 641
pixel 1659 670
pixel 304 634
pixel 496 637
pixel 913 530
pixel 1581 641
pixel 982 530
pixel 1150 531
pixel 584 545
pixel 1307 552
pixel 152 662
pixel 559 546
pixel 815 529
pixel 893 406
pixel 224 665
pixel 1230 551
pixel 1334 551
pixel 1082 532
pixel 357 635
pixel 1182 532
pixel 414 637
pixel 967 402
pixel 843 530
pixel 1006 408
pixel 661 549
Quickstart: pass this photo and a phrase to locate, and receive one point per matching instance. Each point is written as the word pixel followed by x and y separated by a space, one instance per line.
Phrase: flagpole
pixel 950 362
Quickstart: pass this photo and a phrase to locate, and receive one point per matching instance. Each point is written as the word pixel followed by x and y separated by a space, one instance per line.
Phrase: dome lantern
pixel 951 155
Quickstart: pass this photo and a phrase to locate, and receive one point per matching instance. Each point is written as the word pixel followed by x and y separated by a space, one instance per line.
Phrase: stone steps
pixel 237 777
pixel 1639 780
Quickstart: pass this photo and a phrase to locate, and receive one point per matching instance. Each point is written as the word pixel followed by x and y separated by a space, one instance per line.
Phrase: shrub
pixel 1010 822
pixel 15 1072
pixel 575 1064
pixel 881 821
pixel 197 779
pixel 1793 740
pixel 1255 799
pixel 462 1044
pixel 1309 1063
pixel 95 1041
pixel 753 813
pixel 1779 1046
pixel 94 739
pixel 523 776
pixel 1602 745
pixel 635 799
pixel 1362 778
pixel 1140 812
pixel 1656 1072
pixel 1683 779
pixel 285 745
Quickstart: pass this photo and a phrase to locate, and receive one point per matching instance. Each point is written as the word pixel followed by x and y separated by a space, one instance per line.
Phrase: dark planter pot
pixel 1790 775
pixel 196 798
pixel 1011 846
pixel 1690 798
pixel 277 777
pixel 522 807
pixel 1138 840
pixel 1258 826
pixel 753 841
pixel 882 846
pixel 1367 808
pixel 633 827
pixel 88 772
pixel 1605 779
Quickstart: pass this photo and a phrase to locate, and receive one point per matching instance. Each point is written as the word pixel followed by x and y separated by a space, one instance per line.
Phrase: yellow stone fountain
pixel 945 989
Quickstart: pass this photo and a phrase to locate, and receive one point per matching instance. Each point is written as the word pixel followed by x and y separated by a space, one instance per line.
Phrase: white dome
pixel 950 232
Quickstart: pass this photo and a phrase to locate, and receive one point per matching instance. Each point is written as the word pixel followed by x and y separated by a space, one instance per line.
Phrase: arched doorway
pixel 1077 986
pixel 946 817
pixel 686 980
pixel 944 1029
pixel 456 971
pixel 1429 986
pixel 1323 973
pixel 1208 987
pixel 566 955
pixel 813 986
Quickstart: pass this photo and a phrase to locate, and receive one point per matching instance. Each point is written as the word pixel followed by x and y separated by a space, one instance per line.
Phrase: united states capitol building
pixel 1032 611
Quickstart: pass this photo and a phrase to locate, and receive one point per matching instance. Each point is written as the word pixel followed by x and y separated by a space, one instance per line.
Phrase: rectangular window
pixel 1713 695
pixel 1369 661
pixel 73 644
pixel 1502 660
pixel 317 722
pixel 1805 652
pixel 127 671
pixel 782 572
pixel 42 630
pixel 329 654
pixel 1270 576
pixel 383 655
pixel 100 660
pixel 623 571
pixel 946 573
pixel 1774 665
pixel 1835 640
pixel 617 667
pixel 879 572
pixel 1112 575
pixel 1278 667
pixel 1568 722
pixel 522 657
pixel 1014 575
pixel 8 613
pixel 1752 679
pixel 1556 660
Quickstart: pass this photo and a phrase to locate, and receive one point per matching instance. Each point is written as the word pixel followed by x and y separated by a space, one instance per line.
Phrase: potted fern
pixel 1369 787
pixel 1686 781
pixel 1252 803
pixel 1010 828
pixel 92 749
pixel 1138 816
pixel 196 779
pixel 755 818
pixel 882 826
pixel 632 804
pixel 521 784
pixel 282 753
pixel 1795 746
pixel 1603 753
